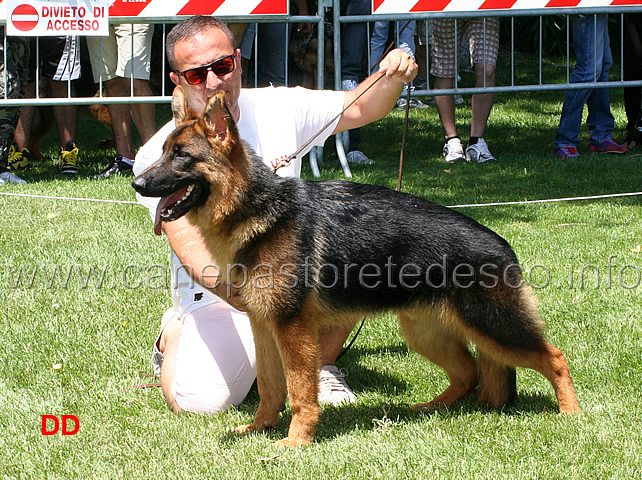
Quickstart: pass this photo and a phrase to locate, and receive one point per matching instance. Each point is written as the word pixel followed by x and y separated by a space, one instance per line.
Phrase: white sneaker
pixel 359 158
pixel 333 388
pixel 347 85
pixel 454 150
pixel 479 152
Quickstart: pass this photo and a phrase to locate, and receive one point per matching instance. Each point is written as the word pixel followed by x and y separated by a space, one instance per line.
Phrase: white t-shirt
pixel 275 122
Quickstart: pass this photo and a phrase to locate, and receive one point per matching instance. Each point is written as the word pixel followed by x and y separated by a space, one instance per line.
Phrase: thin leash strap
pixel 347 347
pixel 287 160
pixel 403 139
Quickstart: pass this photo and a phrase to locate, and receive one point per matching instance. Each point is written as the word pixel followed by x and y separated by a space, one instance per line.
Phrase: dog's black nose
pixel 139 184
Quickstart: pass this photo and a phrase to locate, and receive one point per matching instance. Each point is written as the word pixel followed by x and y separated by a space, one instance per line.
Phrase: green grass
pixel 71 346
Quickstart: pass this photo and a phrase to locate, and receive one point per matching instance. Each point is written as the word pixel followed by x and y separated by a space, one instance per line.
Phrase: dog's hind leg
pixel 270 380
pixel 298 344
pixel 550 362
pixel 497 381
pixel 427 333
pixel 516 341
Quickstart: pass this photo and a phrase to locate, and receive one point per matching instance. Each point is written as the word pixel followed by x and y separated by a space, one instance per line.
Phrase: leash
pixel 286 161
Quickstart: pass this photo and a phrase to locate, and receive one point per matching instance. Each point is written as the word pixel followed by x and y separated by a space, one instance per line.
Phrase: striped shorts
pixel 477 39
pixel 58 58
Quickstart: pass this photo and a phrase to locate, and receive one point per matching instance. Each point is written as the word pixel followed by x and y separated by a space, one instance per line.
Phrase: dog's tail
pixel 497 384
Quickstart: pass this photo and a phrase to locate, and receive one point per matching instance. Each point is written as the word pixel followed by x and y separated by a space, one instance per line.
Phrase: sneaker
pixel 416 103
pixel 479 152
pixel 459 100
pixel 607 146
pixel 68 158
pixel 17 160
pixel 347 85
pixel 454 150
pixel 359 158
pixel 401 104
pixel 8 177
pixel 566 152
pixel 117 167
pixel 333 388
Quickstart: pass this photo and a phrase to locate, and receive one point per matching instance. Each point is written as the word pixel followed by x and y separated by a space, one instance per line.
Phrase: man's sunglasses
pixel 220 67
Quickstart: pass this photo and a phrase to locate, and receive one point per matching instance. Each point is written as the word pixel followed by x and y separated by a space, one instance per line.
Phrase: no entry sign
pixel 57 17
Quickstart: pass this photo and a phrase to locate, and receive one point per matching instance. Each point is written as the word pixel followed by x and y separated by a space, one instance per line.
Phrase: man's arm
pixel 398 68
pixel 189 246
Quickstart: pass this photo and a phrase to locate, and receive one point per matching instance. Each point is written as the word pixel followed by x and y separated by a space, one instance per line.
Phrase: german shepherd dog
pixel 310 254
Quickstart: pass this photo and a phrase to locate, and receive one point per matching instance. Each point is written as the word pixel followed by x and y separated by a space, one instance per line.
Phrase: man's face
pixel 203 49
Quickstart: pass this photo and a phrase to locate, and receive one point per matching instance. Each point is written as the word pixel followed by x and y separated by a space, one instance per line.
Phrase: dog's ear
pixel 218 119
pixel 180 108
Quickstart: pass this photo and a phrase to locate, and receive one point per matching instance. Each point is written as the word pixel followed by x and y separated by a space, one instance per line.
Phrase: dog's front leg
pixel 270 379
pixel 298 344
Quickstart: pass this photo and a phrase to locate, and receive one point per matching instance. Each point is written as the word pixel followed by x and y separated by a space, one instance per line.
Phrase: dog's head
pixel 196 161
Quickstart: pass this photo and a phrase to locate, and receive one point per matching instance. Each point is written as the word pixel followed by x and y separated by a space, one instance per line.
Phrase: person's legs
pixel 209 360
pixel 405 36
pixel 378 43
pixel 574 100
pixel 143 114
pixel 600 120
pixel 483 35
pixel 65 115
pixel 443 69
pixel 120 116
pixel 273 53
pixel 446 106
pixel 632 52
pixel 482 103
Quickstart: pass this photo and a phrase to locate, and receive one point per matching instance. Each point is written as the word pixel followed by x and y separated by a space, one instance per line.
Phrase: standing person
pixel 13 76
pixel 404 38
pixel 205 351
pixel 125 53
pixel 58 63
pixel 632 50
pixel 482 38
pixel 354 60
pixel 593 53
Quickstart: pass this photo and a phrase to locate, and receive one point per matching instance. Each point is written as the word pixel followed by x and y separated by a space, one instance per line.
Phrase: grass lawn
pixel 79 323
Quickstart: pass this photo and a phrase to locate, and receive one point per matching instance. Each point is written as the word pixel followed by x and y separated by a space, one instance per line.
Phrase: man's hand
pixel 399 65
pixel 231 295
pixel 373 103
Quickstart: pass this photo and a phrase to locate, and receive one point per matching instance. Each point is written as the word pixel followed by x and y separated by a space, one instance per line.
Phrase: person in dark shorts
pixel 57 60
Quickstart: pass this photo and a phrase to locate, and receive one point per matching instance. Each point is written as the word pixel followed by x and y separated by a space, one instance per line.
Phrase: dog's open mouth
pixel 177 204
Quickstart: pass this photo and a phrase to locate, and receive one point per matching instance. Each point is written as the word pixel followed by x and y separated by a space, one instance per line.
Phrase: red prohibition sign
pixel 25 17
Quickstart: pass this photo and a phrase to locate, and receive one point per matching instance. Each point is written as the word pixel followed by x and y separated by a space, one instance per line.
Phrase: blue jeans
pixel 354 52
pixel 591 43
pixel 379 40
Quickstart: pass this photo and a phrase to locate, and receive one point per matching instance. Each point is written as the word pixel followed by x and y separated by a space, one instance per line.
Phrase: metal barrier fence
pixel 332 8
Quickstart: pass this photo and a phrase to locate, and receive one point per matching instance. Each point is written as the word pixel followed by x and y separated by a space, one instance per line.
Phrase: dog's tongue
pixel 157 221
pixel 170 199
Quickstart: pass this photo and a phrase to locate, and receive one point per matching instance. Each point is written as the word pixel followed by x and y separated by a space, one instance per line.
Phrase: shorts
pixel 127 49
pixel 57 58
pixel 215 359
pixel 478 37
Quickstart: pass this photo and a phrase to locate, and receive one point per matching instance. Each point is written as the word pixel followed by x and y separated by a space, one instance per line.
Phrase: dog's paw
pixel 244 429
pixel 288 442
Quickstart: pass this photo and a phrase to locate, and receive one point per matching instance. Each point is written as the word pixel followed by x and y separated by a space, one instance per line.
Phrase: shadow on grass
pixel 340 420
